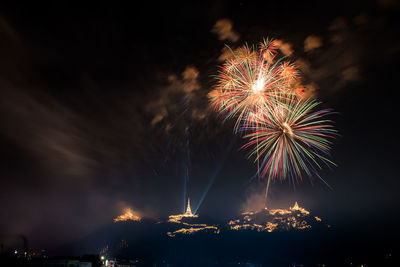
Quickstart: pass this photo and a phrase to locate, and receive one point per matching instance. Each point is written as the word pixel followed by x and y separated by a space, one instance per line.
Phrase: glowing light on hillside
pixel 275 220
pixel 129 215
pixel 177 218
pixel 298 208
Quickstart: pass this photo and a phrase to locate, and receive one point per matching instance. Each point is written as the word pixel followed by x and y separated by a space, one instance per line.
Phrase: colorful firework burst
pixel 265 95
pixel 292 139
pixel 250 80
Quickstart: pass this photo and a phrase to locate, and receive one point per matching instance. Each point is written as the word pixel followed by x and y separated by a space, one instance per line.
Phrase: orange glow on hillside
pixel 128 215
pixel 275 220
pixel 192 230
pixel 296 207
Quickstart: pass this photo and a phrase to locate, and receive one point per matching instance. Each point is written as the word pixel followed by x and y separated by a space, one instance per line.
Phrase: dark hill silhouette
pixel 147 241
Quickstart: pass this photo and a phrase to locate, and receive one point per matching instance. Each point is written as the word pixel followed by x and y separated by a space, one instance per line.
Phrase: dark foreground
pixel 145 244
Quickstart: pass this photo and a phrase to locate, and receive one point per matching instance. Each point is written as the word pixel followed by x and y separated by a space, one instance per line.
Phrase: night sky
pixel 98 102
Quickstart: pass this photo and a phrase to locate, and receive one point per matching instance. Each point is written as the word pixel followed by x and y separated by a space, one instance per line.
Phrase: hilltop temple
pixel 188 212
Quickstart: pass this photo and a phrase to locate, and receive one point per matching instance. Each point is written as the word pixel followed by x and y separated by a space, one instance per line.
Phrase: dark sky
pixel 95 100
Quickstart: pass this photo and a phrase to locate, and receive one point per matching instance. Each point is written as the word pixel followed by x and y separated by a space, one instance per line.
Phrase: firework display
pixel 291 138
pixel 261 92
pixel 250 81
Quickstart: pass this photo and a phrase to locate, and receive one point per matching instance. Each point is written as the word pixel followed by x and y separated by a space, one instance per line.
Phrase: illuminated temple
pixel 177 218
pixel 188 224
pixel 188 212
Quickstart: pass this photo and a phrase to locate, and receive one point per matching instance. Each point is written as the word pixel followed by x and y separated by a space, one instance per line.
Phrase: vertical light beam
pixel 215 175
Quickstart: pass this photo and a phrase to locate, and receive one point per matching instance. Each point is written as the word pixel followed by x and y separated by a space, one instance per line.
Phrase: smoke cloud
pixel 312 42
pixel 285 47
pixel 169 100
pixel 255 202
pixel 223 28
